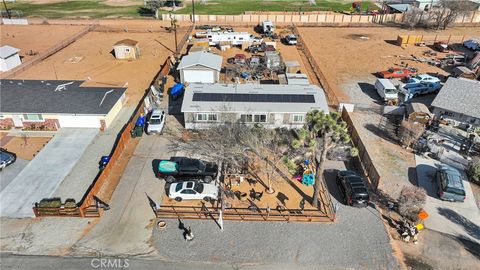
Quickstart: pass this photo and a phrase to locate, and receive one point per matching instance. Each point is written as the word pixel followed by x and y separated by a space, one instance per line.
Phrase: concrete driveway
pixel 9 173
pixel 455 218
pixel 41 177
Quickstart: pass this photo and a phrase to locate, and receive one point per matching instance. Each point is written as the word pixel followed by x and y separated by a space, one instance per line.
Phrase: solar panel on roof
pixel 235 97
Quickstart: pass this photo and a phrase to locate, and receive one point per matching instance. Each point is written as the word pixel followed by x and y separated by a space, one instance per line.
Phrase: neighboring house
pixel 200 67
pixel 274 106
pixel 9 58
pixel 126 49
pixel 34 104
pixel 459 102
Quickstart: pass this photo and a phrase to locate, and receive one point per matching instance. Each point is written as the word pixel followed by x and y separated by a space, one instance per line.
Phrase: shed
pixel 297 78
pixel 9 58
pixel 292 66
pixel 418 112
pixel 126 49
pixel 200 67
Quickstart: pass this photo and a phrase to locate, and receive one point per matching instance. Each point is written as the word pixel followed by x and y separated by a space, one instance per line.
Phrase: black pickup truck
pixel 182 168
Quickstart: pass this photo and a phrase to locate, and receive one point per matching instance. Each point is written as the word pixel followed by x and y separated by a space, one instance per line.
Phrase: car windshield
pixel 4 156
pixel 178 187
pixel 155 121
pixel 390 91
pixel 455 191
pixel 198 187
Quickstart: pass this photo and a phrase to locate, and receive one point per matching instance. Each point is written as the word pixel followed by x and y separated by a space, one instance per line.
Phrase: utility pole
pixel 193 11
pixel 173 22
pixel 6 9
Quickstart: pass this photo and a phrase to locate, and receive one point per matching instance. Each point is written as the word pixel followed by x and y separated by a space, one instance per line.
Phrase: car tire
pixel 208 179
pixel 178 199
pixel 170 179
pixel 207 199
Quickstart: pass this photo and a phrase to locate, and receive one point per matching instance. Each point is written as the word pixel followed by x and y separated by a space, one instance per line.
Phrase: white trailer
pixel 268 27
pixel 234 38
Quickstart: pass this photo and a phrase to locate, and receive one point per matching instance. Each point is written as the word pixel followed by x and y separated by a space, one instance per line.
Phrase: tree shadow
pixel 145 12
pixel 470 246
pixel 471 228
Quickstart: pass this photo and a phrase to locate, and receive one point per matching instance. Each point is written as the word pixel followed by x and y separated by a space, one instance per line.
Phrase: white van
pixel 386 89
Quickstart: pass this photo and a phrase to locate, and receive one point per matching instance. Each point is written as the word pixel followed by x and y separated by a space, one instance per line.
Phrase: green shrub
pixel 50 203
pixel 70 203
pixel 474 170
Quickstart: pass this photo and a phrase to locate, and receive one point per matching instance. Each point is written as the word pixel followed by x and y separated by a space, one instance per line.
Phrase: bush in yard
pixel 411 201
pixel 474 170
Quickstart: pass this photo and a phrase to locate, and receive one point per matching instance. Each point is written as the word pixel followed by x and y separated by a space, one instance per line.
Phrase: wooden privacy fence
pixel 47 53
pixel 88 205
pixel 242 214
pixel 364 158
pixel 331 97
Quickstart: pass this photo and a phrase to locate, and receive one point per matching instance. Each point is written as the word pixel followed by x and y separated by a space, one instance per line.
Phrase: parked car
pixel 353 188
pixel 411 90
pixel 472 44
pixel 397 73
pixel 450 184
pixel 182 168
pixel 423 78
pixel 156 122
pixel 455 60
pixel 6 158
pixel 386 90
pixel 191 190
pixel 291 39
pixel 263 47
pixel 441 46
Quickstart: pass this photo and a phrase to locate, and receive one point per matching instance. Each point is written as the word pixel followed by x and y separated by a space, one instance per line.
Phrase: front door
pixel 17 120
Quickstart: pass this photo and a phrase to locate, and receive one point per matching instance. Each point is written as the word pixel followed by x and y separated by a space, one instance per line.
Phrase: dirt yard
pixel 24 147
pixel 350 56
pixel 91 59
pixel 31 39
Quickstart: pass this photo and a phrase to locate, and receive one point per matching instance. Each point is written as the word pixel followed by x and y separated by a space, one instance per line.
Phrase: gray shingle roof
pixel 206 59
pixel 35 96
pixel 460 96
pixel 6 51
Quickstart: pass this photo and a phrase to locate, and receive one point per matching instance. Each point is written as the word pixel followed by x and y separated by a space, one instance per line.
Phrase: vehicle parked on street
pixel 6 158
pixel 183 169
pixel 386 89
pixel 450 184
pixel 353 188
pixel 156 122
pixel 191 190
pixel 291 39
pixel 423 78
pixel 397 73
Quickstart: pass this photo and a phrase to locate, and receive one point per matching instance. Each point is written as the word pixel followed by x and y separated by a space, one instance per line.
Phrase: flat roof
pixel 7 51
pixel 56 97
pixel 263 98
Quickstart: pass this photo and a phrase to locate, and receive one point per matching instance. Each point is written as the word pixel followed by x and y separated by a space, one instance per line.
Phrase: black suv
pixel 353 188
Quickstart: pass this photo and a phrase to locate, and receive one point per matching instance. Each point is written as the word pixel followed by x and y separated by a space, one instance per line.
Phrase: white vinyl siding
pixel 79 121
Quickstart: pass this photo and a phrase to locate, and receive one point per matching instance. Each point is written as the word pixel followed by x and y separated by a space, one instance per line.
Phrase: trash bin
pixel 137 131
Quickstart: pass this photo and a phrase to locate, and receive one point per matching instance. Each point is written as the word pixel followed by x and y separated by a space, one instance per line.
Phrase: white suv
pixel 156 122
pixel 191 190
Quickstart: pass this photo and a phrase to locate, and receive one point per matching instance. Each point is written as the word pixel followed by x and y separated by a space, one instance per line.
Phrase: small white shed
pixel 126 49
pixel 200 67
pixel 9 58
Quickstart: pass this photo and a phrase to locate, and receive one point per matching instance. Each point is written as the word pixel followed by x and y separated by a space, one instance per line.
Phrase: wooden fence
pixel 11 73
pixel 243 214
pixel 88 206
pixel 331 96
pixel 363 158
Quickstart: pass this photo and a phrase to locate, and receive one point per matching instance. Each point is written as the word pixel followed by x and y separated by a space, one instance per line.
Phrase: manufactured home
pixel 273 106
pixel 234 38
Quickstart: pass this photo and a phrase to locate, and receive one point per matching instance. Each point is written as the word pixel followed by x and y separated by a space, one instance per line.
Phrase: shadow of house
pixel 471 228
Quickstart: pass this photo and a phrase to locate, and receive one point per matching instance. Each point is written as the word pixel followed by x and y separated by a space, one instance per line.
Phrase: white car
pixel 156 122
pixel 291 39
pixel 423 78
pixel 191 190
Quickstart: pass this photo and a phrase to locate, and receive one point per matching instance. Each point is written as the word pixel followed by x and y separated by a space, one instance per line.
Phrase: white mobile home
pixel 274 106
pixel 234 38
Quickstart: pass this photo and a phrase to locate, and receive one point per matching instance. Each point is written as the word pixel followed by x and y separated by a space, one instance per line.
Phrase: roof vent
pixel 62 87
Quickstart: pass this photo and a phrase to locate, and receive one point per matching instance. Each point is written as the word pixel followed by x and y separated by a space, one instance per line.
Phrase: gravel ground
pixel 357 240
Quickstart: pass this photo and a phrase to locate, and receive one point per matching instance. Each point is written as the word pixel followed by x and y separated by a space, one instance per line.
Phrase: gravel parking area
pixel 357 240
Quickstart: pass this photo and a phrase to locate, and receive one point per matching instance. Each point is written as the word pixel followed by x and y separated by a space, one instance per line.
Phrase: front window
pixel 260 118
pixel 246 118
pixel 33 117
pixel 253 118
pixel 298 118
pixel 204 117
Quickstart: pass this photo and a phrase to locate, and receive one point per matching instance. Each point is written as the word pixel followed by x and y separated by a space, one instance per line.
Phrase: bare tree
pixel 411 201
pixel 448 11
pixel 413 17
pixel 410 132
